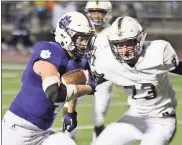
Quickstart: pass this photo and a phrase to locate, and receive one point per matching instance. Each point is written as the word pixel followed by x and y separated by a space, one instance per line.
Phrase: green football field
pixel 11 76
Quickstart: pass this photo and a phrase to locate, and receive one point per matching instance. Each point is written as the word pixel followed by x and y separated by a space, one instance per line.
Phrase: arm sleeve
pixel 47 52
pixel 170 58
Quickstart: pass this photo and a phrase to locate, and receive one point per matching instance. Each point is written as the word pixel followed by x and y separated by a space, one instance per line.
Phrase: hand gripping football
pixel 77 76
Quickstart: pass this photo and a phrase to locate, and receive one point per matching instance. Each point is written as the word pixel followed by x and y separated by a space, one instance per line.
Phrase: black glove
pixel 95 79
pixel 70 121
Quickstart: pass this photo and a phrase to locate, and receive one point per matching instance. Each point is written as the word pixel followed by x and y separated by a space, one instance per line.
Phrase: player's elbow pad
pixel 56 93
pixel 53 91
pixel 178 69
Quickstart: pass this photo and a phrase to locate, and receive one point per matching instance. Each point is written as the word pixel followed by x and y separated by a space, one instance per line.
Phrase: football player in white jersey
pixel 100 13
pixel 142 68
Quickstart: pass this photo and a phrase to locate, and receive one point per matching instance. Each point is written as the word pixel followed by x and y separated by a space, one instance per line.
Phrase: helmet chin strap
pixel 71 51
pixel 132 61
pixel 71 55
pixel 74 54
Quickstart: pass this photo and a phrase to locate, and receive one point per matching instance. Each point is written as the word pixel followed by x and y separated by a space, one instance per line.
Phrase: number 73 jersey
pixel 147 84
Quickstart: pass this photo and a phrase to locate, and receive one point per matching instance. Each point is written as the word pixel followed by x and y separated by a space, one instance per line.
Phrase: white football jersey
pixel 101 42
pixel 147 84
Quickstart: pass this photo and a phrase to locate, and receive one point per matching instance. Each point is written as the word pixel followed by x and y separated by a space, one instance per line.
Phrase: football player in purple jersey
pixel 33 111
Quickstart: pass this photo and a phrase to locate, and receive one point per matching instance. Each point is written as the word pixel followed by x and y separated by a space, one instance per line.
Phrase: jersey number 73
pixel 150 88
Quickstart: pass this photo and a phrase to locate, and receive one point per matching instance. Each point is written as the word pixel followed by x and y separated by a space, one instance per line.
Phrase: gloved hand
pixel 95 79
pixel 70 121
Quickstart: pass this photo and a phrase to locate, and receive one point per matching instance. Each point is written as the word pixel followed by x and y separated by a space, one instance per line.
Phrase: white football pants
pixel 150 131
pixel 102 99
pixel 17 131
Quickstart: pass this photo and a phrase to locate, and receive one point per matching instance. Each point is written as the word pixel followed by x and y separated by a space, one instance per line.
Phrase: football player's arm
pixel 72 105
pixel 171 61
pixel 52 86
pixel 178 69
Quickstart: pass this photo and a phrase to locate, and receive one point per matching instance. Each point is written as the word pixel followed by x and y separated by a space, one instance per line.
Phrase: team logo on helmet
pixel 64 22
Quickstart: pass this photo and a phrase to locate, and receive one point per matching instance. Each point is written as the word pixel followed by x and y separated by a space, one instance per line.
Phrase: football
pixel 77 76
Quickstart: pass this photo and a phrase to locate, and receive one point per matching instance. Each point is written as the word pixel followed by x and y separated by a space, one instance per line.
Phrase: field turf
pixel 11 83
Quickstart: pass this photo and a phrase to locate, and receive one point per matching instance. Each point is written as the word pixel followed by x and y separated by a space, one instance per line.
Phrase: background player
pixel 101 14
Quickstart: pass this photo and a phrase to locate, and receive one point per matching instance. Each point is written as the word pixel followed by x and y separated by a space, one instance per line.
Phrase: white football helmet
pixel 69 27
pixel 124 29
pixel 104 6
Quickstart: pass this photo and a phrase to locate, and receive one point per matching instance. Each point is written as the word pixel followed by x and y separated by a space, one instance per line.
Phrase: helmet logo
pixel 64 22
pixel 120 33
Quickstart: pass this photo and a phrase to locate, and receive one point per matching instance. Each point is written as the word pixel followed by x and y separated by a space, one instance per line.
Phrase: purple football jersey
pixel 31 102
pixel 77 64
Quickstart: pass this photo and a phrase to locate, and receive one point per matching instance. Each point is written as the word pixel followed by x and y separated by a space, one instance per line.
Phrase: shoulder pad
pixel 48 51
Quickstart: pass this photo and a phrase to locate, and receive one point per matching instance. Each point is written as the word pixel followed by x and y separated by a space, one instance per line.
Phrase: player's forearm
pixel 83 90
pixel 75 91
pixel 72 106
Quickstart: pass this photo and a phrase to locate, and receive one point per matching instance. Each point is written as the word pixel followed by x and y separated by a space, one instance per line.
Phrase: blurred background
pixel 25 23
